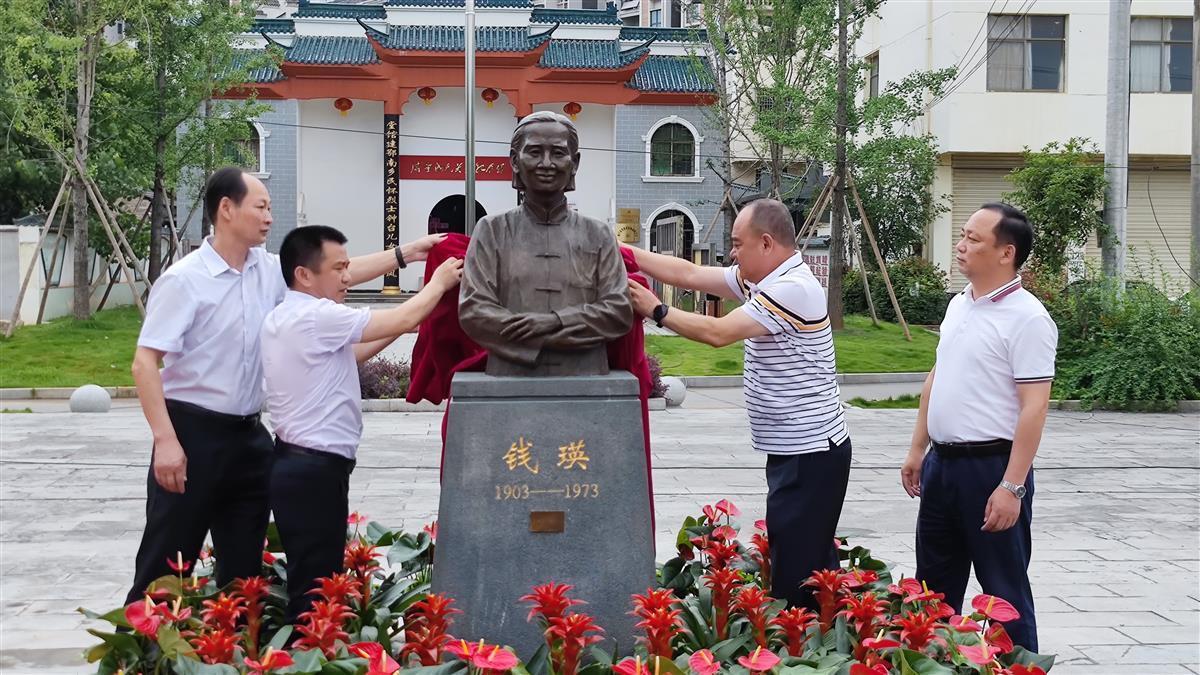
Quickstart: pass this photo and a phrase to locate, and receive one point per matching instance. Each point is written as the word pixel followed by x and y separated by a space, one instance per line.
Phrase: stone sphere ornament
pixel 676 390
pixel 90 398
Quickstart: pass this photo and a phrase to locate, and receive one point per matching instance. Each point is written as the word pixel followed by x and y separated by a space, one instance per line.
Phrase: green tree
pixel 1061 189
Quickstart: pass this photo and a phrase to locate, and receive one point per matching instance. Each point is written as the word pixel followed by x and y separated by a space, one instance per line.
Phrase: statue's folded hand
pixel 526 326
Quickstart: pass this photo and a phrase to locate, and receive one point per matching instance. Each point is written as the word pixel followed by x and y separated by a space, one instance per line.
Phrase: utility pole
pixel 1116 141
pixel 469 54
pixel 836 243
pixel 1196 146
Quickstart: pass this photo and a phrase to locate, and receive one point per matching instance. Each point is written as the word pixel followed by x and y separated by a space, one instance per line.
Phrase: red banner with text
pixel 439 167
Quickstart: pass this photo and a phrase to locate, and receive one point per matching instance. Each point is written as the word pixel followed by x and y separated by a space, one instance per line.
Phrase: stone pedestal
pixel 544 479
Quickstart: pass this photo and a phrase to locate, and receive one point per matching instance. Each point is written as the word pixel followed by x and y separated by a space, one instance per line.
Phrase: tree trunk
pixel 205 225
pixel 836 240
pixel 85 74
pixel 158 205
pixel 776 171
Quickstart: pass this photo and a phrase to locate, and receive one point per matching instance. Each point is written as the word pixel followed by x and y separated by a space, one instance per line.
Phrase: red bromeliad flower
pixel 659 618
pixel 964 624
pixel 863 611
pixel 215 646
pixel 224 611
pixel 722 582
pixel 829 584
pixel 703 663
pixel 379 662
pixel 631 666
pixel 494 659
pixel 360 558
pixel 321 633
pixel 994 608
pixel 761 553
pixel 720 553
pixel 339 588
pixel 270 661
pixel 759 661
pixel 326 610
pixel 998 637
pixel 917 629
pixel 752 602
pixel 144 617
pixel 253 590
pixel 795 623
pixel 575 631
pixel 549 601
pixel 427 628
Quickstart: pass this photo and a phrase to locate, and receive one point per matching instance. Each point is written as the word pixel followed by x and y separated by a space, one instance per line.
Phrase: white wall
pixel 593 195
pixel 341 172
pixel 913 36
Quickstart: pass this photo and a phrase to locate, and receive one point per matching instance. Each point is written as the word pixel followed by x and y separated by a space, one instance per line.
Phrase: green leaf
pixel 450 668
pixel 280 638
pixel 348 666
pixel 191 666
pixel 368 634
pixel 663 665
pixel 126 643
pixel 406 549
pixel 116 617
pixel 1025 657
pixel 172 643
pixel 724 650
pixel 379 535
pixel 539 663
pixel 307 662
pixel 915 663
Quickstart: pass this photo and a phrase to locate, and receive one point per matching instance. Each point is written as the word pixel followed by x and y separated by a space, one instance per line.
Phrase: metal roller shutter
pixel 1149 248
pixel 972 189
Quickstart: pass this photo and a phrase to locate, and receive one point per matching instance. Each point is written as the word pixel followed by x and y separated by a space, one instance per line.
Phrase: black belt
pixel 227 418
pixel 973 448
pixel 283 447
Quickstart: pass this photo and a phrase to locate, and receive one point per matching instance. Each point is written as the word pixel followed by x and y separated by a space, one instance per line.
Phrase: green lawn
pixel 861 348
pixel 902 401
pixel 69 353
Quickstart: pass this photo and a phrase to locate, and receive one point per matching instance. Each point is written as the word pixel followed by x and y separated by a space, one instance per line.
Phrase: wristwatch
pixel 400 264
pixel 659 314
pixel 1017 490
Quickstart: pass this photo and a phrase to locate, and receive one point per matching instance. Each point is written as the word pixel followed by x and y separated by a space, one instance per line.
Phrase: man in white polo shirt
pixel 211 454
pixel 982 412
pixel 312 345
pixel 790 381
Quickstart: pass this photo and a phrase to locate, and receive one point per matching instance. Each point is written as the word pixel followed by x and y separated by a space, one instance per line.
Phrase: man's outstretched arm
pixel 679 272
pixel 737 325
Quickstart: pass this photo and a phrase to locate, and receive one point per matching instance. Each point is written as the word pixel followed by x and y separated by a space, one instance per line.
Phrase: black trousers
pixel 228 464
pixel 804 501
pixel 310 497
pixel 954 495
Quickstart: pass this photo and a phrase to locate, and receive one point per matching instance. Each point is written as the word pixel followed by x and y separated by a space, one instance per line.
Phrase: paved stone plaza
pixel 1116 560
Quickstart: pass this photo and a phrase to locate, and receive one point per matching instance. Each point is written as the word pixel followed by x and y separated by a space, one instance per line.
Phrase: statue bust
pixel 544 288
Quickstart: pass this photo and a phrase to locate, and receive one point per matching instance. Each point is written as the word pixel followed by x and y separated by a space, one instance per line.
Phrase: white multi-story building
pixel 1033 72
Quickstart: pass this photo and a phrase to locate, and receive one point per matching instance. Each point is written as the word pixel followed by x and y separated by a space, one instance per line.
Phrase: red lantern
pixel 426 94
pixel 343 106
pixel 490 95
pixel 573 109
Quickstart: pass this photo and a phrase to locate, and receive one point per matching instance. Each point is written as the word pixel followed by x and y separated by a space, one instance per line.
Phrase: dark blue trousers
pixel 954 495
pixel 804 501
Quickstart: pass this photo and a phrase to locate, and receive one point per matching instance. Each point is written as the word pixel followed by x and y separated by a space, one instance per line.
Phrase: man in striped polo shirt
pixel 982 412
pixel 790 381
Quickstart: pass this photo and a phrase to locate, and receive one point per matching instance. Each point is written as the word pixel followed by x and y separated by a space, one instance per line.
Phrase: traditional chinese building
pixel 368 113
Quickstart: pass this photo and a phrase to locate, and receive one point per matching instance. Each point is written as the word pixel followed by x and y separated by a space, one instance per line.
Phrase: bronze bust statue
pixel 544 288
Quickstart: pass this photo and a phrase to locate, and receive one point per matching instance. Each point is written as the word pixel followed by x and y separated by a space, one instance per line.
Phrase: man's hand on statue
pixel 447 275
pixel 644 301
pixel 526 326
pixel 418 249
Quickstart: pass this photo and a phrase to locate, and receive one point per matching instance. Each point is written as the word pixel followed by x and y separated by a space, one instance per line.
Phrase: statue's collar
pixel 556 215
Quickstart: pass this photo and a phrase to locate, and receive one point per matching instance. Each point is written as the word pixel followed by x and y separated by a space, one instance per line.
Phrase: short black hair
pixel 1013 228
pixel 304 247
pixel 228 181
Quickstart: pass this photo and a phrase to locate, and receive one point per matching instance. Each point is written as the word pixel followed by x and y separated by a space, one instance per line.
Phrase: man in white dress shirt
pixel 211 455
pixel 312 345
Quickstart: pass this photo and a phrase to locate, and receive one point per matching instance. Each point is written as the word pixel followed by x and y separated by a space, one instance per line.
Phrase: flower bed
pixel 710 614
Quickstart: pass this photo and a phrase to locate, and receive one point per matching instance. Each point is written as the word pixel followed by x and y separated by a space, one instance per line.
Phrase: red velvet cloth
pixel 443 348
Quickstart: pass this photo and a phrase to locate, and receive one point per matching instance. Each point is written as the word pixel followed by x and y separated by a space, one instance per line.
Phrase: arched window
pixel 672 151
pixel 248 151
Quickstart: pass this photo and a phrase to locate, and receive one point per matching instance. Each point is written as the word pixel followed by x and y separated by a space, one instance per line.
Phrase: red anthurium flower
pixel 215 646
pixel 877 669
pixel 174 613
pixel 998 637
pixel 431 530
pixel 178 565
pixel 1019 669
pixel 965 624
pixel 759 661
pixel 144 617
pixel 631 667
pixel 224 611
pixel 907 586
pixel 880 643
pixel 462 649
pixel 752 602
pixel 356 518
pixel 795 623
pixel 725 506
pixel 379 662
pixel 272 660
pixel 924 595
pixel 494 658
pixel 760 525
pixel 857 578
pixel 994 608
pixel 549 601
pixel 709 512
pixel 703 663
pixel 980 654
pixel 686 552
pixel 722 581
pixel 829 584
pixel 724 533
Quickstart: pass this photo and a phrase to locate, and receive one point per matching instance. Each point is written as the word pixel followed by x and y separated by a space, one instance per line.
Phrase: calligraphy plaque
pixel 391 195
pixel 543 479
pixel 441 167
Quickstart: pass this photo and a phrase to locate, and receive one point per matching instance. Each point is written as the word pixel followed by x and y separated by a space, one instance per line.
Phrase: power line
pixel 972 47
pixel 1022 12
